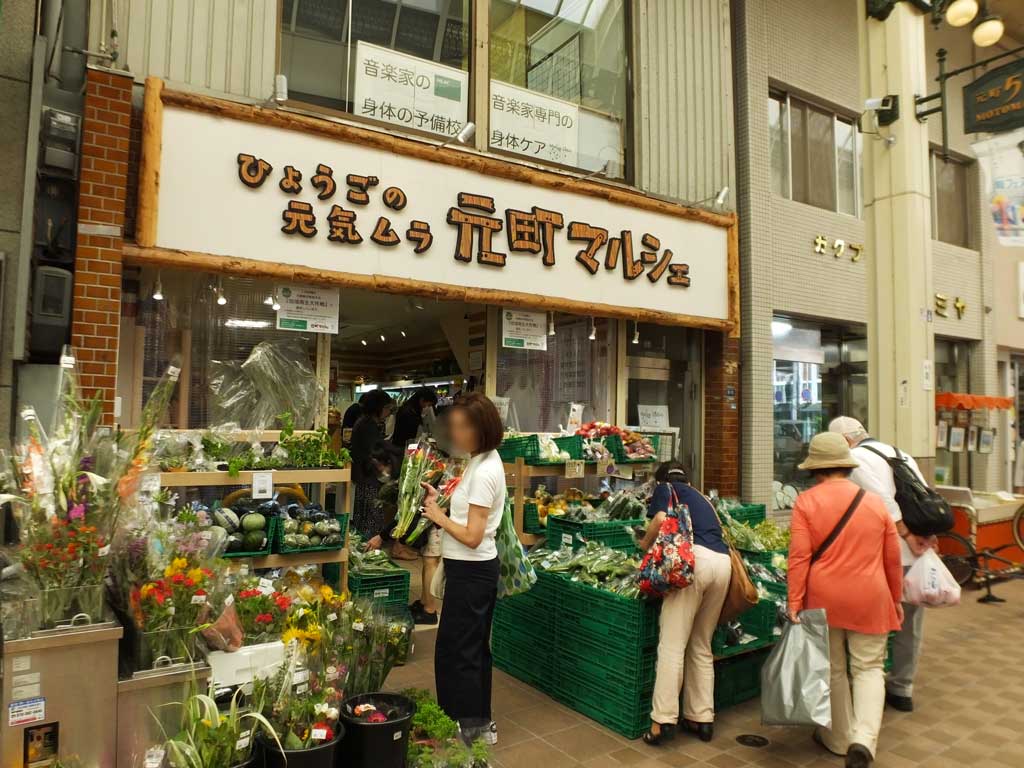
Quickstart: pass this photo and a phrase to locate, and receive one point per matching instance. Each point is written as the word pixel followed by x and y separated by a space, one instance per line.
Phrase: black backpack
pixel 925 513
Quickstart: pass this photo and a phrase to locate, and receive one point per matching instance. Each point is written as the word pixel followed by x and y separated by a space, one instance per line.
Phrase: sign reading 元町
pixel 995 101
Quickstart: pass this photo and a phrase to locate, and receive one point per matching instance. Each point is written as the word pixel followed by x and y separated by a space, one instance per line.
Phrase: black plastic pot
pixel 376 745
pixel 322 756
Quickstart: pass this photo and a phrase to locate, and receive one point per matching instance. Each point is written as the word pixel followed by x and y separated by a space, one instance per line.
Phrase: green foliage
pixel 434 741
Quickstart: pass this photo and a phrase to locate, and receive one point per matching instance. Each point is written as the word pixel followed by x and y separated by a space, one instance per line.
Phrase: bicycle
pixel 964 561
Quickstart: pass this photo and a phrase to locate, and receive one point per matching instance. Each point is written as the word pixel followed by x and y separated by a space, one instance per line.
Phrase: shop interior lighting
pixel 551 323
pixel 235 322
pixel 274 303
pixel 593 330
pixel 269 301
pixel 636 333
pixel 781 327
pixel 158 290
pixel 403 333
pixel 989 28
pixel 382 338
pixel 221 298
pixel 363 342
pixel 722 196
pixel 960 13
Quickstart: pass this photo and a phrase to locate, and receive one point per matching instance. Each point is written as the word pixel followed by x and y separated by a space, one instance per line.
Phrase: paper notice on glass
pixel 501 403
pixel 653 416
pixel 534 125
pixel 524 330
pixel 406 90
pixel 307 308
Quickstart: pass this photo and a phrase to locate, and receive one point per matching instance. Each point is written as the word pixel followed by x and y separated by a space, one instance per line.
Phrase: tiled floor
pixel 969 709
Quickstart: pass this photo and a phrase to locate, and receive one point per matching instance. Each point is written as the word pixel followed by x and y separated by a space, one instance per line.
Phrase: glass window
pixel 403 62
pixel 558 81
pixel 950 209
pixel 778 143
pixel 814 155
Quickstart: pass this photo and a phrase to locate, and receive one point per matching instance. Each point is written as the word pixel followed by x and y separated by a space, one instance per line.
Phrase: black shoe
pixel 821 743
pixel 858 756
pixel 703 731
pixel 421 616
pixel 416 606
pixel 665 733
pixel 901 703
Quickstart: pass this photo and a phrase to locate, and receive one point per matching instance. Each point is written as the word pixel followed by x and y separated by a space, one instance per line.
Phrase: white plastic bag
pixel 796 676
pixel 929 582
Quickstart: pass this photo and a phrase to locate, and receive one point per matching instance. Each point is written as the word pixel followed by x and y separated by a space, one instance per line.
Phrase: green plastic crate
pixel 392 589
pixel 272 525
pixel 597 615
pixel 606 669
pixel 627 714
pixel 280 547
pixel 738 679
pixel 762 558
pixel 774 589
pixel 527 447
pixel 517 660
pixel 720 650
pixel 751 514
pixel 617 449
pixel 531 519
pixel 761 619
pixel 616 534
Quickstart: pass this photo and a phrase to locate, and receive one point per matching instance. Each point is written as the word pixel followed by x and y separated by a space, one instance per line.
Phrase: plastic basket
pixel 392 589
pixel 606 669
pixel 750 514
pixel 761 619
pixel 738 679
pixel 531 519
pixel 527 447
pixel 272 525
pixel 617 449
pixel 617 534
pixel 279 545
pixel 598 616
pixel 511 658
pixel 720 650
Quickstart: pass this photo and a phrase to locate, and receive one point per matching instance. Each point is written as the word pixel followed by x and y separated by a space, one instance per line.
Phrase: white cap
pixel 847 426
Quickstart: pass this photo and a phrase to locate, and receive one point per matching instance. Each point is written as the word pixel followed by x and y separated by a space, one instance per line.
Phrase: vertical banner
pixel 1002 166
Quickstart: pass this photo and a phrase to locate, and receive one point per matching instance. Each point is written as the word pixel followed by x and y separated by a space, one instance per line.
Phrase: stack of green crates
pixel 616 534
pixel 390 589
pixel 739 678
pixel 750 514
pixel 523 634
pixel 531 519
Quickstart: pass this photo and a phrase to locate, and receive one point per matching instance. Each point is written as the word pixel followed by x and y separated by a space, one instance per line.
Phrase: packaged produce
pixel 307 526
pixel 593 564
pixel 766 536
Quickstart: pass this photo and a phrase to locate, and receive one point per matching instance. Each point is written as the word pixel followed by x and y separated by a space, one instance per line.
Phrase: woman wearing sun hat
pixel 844 556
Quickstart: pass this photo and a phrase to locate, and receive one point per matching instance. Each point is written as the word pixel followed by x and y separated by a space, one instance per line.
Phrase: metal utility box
pixel 60 697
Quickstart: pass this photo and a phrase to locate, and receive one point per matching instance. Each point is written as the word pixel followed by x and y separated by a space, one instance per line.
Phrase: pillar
pixel 897 209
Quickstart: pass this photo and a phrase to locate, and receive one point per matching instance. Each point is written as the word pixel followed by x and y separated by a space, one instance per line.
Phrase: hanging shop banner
pixel 524 330
pixel 1002 168
pixel 409 91
pixel 310 308
pixel 995 101
pixel 316 201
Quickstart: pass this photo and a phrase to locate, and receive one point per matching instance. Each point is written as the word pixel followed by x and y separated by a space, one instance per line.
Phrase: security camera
pixel 886 109
pixel 877 104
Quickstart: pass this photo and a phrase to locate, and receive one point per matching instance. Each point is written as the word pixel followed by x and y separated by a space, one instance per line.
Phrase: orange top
pixel 859 579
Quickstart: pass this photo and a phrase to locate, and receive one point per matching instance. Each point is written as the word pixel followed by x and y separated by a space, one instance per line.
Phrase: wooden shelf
pixel 295 558
pixel 196 479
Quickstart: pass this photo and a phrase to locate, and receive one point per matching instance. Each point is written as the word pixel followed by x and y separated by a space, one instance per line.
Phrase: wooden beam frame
pixel 146 252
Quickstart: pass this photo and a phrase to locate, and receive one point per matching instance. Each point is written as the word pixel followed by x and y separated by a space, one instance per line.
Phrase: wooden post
pixel 149 162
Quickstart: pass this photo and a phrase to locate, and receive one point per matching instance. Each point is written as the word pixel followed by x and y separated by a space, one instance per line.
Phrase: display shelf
pixel 196 479
pixel 317 557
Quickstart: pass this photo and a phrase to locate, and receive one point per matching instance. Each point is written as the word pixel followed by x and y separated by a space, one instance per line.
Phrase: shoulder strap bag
pixel 669 563
pixel 742 594
pixel 834 534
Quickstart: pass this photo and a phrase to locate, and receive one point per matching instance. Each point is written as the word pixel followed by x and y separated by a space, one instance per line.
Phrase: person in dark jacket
pixel 349 419
pixel 409 418
pixel 371 459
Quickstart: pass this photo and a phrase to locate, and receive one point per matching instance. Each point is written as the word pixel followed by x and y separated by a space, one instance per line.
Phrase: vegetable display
pixel 618 506
pixel 636 446
pixel 558 504
pixel 310 526
pixel 593 564
pixel 766 536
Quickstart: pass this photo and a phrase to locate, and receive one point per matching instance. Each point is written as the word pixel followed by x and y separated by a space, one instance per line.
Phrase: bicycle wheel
pixel 1017 526
pixel 958 556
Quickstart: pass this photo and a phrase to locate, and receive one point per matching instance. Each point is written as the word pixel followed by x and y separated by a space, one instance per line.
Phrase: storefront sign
pixel 524 330
pixel 409 91
pixel 287 191
pixel 838 247
pixel 307 308
pixel 1002 169
pixel 995 101
pixel 943 304
pixel 28 711
pixel 532 124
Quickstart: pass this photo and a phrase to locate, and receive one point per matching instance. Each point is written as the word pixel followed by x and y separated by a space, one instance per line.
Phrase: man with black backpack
pixel 919 514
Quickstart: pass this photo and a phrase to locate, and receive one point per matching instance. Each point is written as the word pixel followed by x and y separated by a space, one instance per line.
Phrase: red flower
pixel 283 602
pixel 200 592
pixel 263 618
pixel 207 572
pixel 191 583
pixel 247 593
pixel 178 578
pixel 327 728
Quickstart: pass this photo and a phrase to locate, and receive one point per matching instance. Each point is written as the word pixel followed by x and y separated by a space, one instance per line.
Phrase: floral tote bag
pixel 669 563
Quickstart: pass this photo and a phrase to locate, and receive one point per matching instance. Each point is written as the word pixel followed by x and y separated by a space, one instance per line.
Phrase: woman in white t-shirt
pixel 462 655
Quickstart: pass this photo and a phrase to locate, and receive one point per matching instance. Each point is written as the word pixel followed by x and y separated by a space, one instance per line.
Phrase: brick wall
pixel 96 308
pixel 722 415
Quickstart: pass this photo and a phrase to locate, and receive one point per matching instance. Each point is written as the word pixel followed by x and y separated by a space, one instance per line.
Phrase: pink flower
pixel 77 512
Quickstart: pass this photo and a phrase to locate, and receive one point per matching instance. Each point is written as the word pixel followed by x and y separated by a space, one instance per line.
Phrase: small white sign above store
pixel 308 308
pixel 653 416
pixel 524 330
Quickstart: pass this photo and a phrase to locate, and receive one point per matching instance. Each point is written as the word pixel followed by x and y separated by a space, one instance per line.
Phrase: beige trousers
pixel 688 619
pixel 858 690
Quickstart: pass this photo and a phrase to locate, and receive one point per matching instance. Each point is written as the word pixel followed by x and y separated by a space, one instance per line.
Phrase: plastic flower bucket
pixel 377 745
pixel 320 756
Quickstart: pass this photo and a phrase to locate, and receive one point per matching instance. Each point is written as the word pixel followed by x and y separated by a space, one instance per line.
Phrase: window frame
pixel 935 155
pixel 480 92
pixel 786 99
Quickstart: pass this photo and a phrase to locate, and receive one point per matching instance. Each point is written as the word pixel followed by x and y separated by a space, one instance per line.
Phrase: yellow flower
pixel 291 634
pixel 146 591
pixel 326 593
pixel 207 723
pixel 180 563
pixel 196 574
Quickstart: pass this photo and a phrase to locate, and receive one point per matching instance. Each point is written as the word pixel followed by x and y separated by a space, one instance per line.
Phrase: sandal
pixel 665 733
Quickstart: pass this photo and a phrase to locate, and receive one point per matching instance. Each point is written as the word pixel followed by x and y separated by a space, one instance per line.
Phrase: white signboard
pixel 307 308
pixel 653 416
pixel 1020 290
pixel 524 330
pixel 408 91
pixel 244 190
pixel 532 124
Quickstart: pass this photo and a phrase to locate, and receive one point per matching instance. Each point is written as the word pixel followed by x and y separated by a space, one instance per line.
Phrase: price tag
pixel 574 469
pixel 229 601
pixel 67 361
pixel 357 626
pixel 173 372
pixel 262 485
pixel 103 551
pixel 198 599
pixel 266 586
pixel 319 734
pixel 332 617
pixel 384 592
pixel 567 539
pixel 626 473
pixel 301 689
pixel 301 676
pixel 154 757
pixel 605 466
pixel 243 740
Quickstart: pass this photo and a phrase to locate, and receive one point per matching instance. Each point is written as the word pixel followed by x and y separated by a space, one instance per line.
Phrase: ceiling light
pixel 363 342
pixel 960 13
pixel 781 327
pixel 158 291
pixel 221 299
pixel 235 322
pixel 551 323
pixel 382 338
pixel 988 31
pixel 593 330
pixel 269 301
pixel 636 333
pixel 275 304
pixel 403 333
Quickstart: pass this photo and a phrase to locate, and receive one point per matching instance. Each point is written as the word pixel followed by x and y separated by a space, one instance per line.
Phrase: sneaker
pixel 900 703
pixel 490 734
pixel 421 616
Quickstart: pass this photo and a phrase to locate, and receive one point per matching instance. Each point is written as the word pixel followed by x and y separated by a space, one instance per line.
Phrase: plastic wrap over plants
pixel 795 679
pixel 276 378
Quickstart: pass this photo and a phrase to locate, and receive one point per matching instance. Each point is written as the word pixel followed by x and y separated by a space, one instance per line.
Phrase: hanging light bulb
pixel 274 303
pixel 158 291
pixel 960 13
pixel 382 338
pixel 551 323
pixel 221 298
pixel 636 333
pixel 593 330
pixel 403 333
pixel 363 342
pixel 269 301
pixel 988 31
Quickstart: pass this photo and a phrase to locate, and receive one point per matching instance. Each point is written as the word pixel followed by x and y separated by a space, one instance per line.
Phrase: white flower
pixel 321 708
pixel 332 713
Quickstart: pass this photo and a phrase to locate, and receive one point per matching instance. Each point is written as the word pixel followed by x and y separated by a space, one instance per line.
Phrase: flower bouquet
pixel 421 464
pixel 70 488
pixel 450 478
pixel 262 611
